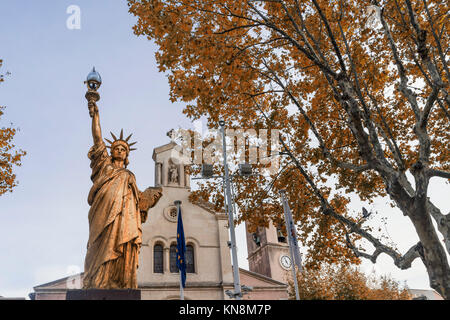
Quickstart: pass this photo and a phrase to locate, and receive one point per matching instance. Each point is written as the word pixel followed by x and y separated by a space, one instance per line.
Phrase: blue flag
pixel 181 249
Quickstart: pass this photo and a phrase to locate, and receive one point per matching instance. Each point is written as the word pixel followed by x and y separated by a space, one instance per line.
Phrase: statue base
pixel 103 294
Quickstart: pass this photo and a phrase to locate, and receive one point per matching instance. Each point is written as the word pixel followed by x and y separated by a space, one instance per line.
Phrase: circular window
pixel 173 213
pixel 170 213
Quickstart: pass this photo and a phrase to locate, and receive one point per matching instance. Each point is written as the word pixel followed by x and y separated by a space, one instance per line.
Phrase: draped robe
pixel 115 233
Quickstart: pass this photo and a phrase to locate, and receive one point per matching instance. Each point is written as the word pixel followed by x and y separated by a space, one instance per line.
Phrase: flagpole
pixel 288 221
pixel 178 203
pixel 181 289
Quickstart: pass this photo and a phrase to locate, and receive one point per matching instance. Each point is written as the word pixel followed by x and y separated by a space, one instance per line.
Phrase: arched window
pixel 256 238
pixel 190 267
pixel 158 266
pixel 173 258
pixel 189 255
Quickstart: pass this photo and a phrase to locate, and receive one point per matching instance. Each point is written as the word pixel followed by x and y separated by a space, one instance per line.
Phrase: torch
pixel 93 82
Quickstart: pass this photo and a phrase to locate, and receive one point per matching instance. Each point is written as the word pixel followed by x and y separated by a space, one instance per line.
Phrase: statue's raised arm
pixel 96 129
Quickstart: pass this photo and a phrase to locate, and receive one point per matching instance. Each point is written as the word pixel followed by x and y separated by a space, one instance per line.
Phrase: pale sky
pixel 44 226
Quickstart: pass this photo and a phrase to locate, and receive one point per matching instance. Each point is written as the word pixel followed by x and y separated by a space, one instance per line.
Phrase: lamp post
pixel 244 170
pixel 237 286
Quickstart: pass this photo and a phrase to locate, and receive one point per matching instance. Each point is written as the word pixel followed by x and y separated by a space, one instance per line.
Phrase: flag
pixel 181 249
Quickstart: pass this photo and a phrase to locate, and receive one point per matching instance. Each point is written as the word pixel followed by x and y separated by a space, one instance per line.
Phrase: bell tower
pixel 268 253
pixel 171 166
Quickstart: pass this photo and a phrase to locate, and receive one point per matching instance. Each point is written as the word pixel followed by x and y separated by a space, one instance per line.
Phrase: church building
pixel 208 257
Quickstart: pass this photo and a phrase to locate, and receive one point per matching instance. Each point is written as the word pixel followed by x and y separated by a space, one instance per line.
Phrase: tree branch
pixel 402 262
pixel 325 150
pixel 331 36
pixel 308 54
pixel 437 39
pixel 438 173
pixel 401 69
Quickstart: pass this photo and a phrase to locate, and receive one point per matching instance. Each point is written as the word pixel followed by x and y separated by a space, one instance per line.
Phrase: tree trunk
pixel 433 256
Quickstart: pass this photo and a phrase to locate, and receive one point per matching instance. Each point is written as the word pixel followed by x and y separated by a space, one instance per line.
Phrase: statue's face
pixel 119 153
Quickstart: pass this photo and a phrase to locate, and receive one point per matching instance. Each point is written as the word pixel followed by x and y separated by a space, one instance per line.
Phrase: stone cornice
pixel 165 147
pixel 270 245
pixel 274 283
pixel 176 285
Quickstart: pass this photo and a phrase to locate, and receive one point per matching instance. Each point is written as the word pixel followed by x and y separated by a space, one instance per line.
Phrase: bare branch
pixel 401 69
pixel 239 27
pixel 437 39
pixel 307 53
pixel 367 114
pixel 438 173
pixel 331 35
pixel 429 104
pixel 394 149
pixel 402 262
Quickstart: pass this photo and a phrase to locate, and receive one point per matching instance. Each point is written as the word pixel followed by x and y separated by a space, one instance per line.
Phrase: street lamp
pixel 245 169
pixel 207 171
pixel 237 285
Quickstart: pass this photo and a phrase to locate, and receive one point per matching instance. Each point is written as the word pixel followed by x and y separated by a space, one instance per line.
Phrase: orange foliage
pixel 346 283
pixel 8 156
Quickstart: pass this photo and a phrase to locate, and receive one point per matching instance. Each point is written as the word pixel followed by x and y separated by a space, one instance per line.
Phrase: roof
pixel 57 283
pixel 208 206
pixel 262 279
pixel 425 294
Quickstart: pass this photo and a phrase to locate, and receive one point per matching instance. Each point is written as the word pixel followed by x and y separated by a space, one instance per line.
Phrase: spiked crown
pixel 121 141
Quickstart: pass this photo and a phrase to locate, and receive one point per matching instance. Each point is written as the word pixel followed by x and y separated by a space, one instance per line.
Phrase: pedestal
pixel 104 294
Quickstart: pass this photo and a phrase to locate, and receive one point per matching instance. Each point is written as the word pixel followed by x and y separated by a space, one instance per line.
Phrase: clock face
pixel 285 262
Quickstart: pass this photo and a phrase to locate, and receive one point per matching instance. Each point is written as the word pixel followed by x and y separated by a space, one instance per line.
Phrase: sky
pixel 44 226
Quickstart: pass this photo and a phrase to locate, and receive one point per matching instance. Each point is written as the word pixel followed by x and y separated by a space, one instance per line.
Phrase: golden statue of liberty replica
pixel 117 210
